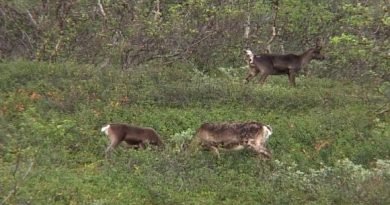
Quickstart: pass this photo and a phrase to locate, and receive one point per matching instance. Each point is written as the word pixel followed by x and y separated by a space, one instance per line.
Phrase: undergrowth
pixel 330 143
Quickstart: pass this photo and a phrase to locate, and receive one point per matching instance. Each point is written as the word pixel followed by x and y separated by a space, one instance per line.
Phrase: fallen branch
pixel 382 110
pixel 17 183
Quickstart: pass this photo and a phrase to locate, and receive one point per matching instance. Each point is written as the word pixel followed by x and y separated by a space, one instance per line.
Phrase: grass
pixel 330 142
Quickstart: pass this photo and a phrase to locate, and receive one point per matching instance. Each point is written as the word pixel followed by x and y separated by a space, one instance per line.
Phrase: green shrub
pixel 51 116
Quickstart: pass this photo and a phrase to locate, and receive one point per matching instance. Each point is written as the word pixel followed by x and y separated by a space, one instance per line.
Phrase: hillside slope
pixel 330 142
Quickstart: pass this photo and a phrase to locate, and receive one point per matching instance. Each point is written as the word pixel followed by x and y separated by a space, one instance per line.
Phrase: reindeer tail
pixel 105 128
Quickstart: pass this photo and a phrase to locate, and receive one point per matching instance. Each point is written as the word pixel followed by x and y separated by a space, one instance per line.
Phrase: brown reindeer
pixel 137 137
pixel 235 136
pixel 290 64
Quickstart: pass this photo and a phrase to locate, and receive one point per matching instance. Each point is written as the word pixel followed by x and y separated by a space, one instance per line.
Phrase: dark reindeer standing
pixel 290 64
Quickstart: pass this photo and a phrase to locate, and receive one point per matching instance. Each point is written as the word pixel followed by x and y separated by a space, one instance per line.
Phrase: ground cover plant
pixel 330 143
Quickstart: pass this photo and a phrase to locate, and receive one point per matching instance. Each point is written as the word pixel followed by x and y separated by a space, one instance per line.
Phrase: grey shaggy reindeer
pixel 235 136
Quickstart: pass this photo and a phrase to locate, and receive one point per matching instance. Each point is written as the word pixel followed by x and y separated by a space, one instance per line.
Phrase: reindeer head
pixel 249 56
pixel 316 52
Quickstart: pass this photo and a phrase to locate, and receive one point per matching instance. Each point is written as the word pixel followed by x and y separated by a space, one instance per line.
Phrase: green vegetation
pixel 330 143
pixel 173 65
pixel 205 33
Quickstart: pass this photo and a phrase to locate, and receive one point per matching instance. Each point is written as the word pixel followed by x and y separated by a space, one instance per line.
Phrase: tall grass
pixel 330 144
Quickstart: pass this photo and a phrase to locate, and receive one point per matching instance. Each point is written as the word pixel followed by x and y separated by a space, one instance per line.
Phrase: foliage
pixel 205 33
pixel 329 143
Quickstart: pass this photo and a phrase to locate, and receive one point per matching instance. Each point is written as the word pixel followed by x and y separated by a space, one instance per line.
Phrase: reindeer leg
pixel 132 145
pixel 259 149
pixel 142 145
pixel 264 151
pixel 263 77
pixel 251 74
pixel 112 146
pixel 249 77
pixel 291 78
pixel 215 150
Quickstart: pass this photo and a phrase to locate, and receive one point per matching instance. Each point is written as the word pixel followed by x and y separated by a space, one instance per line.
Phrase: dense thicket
pixel 206 33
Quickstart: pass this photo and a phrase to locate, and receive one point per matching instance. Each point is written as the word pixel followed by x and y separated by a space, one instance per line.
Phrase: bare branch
pixel 101 8
pixel 2 12
pixel 17 183
pixel 157 12
pixel 32 20
pixel 247 26
pixel 275 8
pixel 282 48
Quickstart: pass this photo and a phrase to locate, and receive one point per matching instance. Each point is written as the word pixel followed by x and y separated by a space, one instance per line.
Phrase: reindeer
pixel 235 136
pixel 137 137
pixel 290 64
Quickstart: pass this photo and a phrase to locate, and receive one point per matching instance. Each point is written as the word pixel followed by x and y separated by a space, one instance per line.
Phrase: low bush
pixel 329 143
